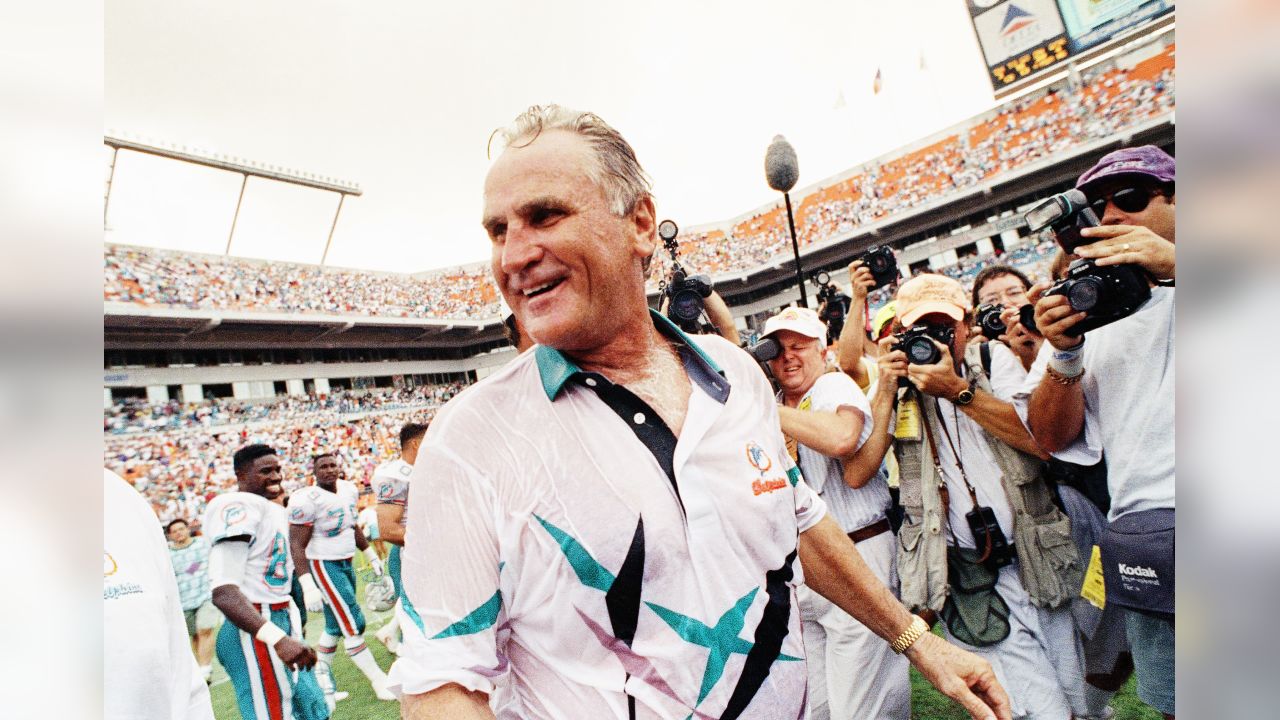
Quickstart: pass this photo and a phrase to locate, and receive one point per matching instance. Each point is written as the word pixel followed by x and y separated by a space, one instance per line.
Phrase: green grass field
pixel 926 703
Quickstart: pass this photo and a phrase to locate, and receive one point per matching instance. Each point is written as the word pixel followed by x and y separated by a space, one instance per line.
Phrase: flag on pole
pixel 878 83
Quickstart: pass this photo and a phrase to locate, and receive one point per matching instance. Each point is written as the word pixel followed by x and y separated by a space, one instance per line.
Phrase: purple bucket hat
pixel 1147 160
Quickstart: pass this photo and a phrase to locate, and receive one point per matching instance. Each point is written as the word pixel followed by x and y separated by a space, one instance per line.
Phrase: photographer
pixel 852 674
pixel 985 547
pixel 1007 287
pixel 853 346
pixel 1112 389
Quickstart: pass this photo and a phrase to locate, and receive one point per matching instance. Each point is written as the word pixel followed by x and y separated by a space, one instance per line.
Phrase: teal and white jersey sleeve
pixel 391 482
pixel 268 569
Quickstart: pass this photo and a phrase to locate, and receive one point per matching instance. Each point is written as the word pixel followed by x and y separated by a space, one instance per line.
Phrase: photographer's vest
pixel 1049 564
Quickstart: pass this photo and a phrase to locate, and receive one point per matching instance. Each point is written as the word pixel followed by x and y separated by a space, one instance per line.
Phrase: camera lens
pixel 1083 293
pixel 920 351
pixel 686 305
pixel 877 263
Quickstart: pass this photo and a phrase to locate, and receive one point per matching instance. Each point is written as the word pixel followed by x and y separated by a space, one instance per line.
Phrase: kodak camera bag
pixel 1137 562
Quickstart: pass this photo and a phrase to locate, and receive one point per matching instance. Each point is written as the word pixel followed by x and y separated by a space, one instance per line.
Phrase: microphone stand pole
pixel 795 249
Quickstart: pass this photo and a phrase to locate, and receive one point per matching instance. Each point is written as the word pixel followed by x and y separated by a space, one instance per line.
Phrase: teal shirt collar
pixel 555 369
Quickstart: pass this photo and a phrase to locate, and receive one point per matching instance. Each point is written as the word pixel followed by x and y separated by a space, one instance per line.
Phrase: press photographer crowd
pixel 645 515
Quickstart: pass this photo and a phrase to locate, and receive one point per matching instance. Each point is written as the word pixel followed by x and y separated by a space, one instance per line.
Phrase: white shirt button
pixel 591 382
pixel 639 418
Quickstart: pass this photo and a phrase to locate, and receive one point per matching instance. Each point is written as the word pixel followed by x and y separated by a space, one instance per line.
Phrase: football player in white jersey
pixel 324 536
pixel 250 569
pixel 391 487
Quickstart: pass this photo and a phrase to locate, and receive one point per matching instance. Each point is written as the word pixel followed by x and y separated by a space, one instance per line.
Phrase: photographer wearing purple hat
pixel 1111 388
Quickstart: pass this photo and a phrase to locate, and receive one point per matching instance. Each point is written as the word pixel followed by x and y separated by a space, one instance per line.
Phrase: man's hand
pixel 892 364
pixel 376 565
pixel 961 676
pixel 861 279
pixel 1054 317
pixel 295 654
pixel 939 379
pixel 1024 343
pixel 1118 244
pixel 311 595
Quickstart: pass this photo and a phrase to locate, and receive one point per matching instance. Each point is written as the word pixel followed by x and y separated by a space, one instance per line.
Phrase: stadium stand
pixel 133 415
pixel 152 277
pixel 179 471
pixel 1105 101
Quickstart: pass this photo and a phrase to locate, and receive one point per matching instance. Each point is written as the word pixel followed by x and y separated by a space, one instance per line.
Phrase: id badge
pixel 908 425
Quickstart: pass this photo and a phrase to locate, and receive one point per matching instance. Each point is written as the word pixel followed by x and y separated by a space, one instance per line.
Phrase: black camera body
pixel 1106 294
pixel 764 350
pixel 989 321
pixel 983 524
pixel 882 264
pixel 685 293
pixel 685 298
pixel 915 341
pixel 834 304
pixel 1027 318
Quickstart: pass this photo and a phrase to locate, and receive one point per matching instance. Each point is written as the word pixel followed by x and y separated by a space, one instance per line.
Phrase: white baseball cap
pixel 797 319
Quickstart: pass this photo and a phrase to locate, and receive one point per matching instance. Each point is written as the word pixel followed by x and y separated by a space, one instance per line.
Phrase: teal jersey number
pixel 277 574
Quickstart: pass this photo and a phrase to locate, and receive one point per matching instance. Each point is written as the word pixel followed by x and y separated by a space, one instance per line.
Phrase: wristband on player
pixel 270 633
pixel 308 583
pixel 371 554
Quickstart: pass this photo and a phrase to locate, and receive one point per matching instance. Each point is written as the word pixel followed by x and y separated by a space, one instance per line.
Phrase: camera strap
pixel 942 482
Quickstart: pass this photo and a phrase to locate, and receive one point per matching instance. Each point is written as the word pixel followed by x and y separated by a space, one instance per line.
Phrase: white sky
pixel 401 97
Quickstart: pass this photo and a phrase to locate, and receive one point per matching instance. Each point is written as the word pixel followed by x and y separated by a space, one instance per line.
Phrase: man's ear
pixel 645 223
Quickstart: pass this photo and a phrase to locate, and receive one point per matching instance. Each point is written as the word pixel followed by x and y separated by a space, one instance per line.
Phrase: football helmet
pixel 380 594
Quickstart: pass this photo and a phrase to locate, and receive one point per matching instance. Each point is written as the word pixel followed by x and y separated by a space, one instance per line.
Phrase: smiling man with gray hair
pixel 610 526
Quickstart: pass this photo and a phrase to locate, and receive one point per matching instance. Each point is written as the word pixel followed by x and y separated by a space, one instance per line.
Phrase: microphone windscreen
pixel 781 168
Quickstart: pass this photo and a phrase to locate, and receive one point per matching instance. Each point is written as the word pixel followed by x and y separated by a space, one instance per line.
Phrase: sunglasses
pixel 1128 200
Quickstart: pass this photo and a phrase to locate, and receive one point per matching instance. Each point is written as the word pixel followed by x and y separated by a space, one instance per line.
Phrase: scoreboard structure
pixel 1023 41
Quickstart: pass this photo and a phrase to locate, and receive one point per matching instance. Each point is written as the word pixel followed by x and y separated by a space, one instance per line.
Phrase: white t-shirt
pixel 269 568
pixel 149 672
pixel 852 508
pixel 332 517
pixel 1128 405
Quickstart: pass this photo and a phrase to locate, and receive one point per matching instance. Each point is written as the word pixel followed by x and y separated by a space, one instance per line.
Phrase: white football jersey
pixel 391 482
pixel 332 517
pixel 269 569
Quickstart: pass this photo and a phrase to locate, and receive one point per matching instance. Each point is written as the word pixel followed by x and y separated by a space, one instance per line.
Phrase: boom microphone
pixel 781 167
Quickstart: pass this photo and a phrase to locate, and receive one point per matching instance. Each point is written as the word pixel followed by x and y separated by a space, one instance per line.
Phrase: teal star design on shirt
pixel 589 572
pixel 721 641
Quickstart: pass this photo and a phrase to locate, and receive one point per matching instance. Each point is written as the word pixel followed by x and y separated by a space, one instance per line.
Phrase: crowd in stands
pixel 1102 102
pixel 1036 128
pixel 152 277
pixel 179 472
pixel 132 415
